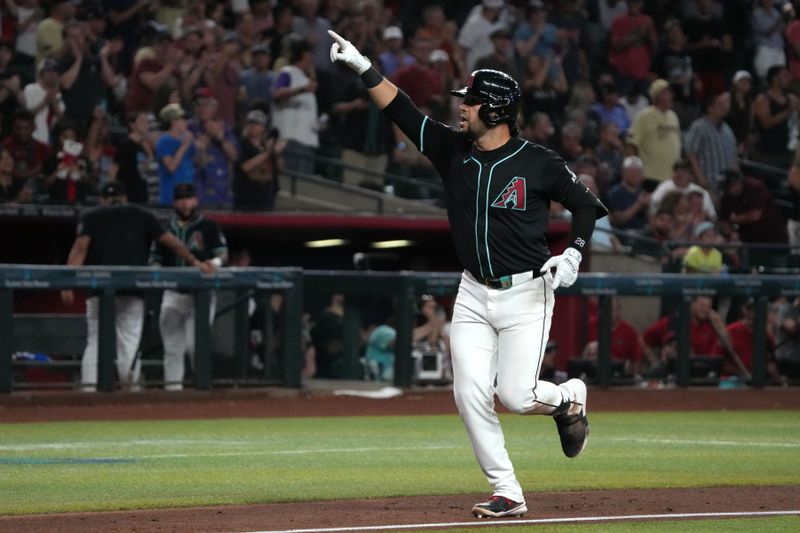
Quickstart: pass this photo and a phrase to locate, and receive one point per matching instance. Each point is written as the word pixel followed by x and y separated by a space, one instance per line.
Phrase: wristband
pixel 217 262
pixel 371 77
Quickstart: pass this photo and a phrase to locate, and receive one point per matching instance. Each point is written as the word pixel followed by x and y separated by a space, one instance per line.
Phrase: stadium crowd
pixel 654 104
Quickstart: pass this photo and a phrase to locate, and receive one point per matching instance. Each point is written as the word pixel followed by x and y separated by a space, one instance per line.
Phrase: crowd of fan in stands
pixel 653 104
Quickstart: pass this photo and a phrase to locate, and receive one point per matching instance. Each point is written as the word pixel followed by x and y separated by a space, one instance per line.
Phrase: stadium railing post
pixel 268 329
pixel 291 352
pixel 6 338
pixel 351 337
pixel 759 342
pixel 404 312
pixel 684 362
pixel 604 342
pixel 202 340
pixel 106 341
pixel 241 333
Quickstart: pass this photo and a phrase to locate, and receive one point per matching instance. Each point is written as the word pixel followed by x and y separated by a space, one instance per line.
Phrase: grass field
pixel 71 466
pixel 747 525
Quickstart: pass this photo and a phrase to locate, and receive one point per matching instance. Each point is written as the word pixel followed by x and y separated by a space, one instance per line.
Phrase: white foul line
pixel 707 442
pixel 520 522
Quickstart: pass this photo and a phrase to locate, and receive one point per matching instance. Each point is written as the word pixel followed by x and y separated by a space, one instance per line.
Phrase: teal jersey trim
pixel 486 223
pixel 421 131
pixel 477 211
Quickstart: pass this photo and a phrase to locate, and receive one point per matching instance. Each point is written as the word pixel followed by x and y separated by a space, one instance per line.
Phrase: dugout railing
pixel 106 282
pixel 406 287
pixel 403 287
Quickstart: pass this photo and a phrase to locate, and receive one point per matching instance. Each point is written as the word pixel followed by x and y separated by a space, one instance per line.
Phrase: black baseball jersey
pixel 498 201
pixel 202 237
pixel 119 234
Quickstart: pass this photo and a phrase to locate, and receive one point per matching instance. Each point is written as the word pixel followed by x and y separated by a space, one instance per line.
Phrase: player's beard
pixel 474 128
pixel 186 215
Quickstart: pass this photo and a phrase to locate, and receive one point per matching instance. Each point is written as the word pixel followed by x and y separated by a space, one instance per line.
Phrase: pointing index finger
pixel 336 37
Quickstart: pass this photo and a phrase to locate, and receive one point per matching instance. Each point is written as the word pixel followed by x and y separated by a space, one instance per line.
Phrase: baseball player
pixel 118 233
pixel 205 239
pixel 498 189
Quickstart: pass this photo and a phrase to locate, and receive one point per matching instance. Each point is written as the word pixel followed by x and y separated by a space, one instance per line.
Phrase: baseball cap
pixel 392 32
pixel 261 49
pixel 438 55
pixel 170 112
pixel 500 33
pixel 257 116
pixel 632 161
pixel 156 32
pixel 607 88
pixel 550 346
pixel 204 93
pixel 731 176
pixel 230 37
pixel 112 188
pixel 184 190
pixel 50 63
pixel 740 75
pixel 92 12
pixel 657 87
pixel 682 163
pixel 494 4
pixel 703 227
pixel 535 5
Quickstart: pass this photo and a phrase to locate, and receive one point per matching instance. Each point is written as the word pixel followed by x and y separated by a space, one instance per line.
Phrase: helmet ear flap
pixel 494 113
pixel 485 114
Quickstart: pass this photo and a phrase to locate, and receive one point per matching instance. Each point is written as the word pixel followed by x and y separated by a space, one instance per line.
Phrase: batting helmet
pixel 498 93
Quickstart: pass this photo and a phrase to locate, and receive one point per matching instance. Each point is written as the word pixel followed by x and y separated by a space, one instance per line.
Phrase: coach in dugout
pixel 118 233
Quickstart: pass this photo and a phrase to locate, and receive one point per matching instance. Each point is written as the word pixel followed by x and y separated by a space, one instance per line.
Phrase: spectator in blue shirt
pixel 258 79
pixel 535 35
pixel 218 150
pixel 395 56
pixel 175 152
pixel 609 109
pixel 627 202
pixel 379 352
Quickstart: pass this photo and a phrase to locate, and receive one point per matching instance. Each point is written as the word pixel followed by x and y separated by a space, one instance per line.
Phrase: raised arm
pixel 428 135
pixel 381 90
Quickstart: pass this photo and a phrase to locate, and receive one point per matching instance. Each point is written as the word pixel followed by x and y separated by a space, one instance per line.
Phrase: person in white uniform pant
pixel 498 189
pixel 177 319
pixel 118 233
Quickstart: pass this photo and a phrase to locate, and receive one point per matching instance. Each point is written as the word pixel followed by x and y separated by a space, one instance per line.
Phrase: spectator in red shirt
pixel 741 337
pixel 633 39
pixel 703 334
pixel 625 344
pixel 792 37
pixel 28 153
pixel 749 208
pixel 419 81
pixel 154 68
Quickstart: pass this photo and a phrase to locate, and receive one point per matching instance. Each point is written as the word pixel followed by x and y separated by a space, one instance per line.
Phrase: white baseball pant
pixel 176 323
pixel 498 339
pixel 129 322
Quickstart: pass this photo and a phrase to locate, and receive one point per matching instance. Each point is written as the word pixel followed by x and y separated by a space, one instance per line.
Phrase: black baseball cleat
pixel 570 417
pixel 498 507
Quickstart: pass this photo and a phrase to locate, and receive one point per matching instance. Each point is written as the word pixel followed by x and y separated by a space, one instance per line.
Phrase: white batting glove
pixel 566 266
pixel 343 51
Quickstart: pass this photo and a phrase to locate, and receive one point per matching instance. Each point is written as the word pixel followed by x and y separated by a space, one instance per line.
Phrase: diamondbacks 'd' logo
pixel 196 241
pixel 513 196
